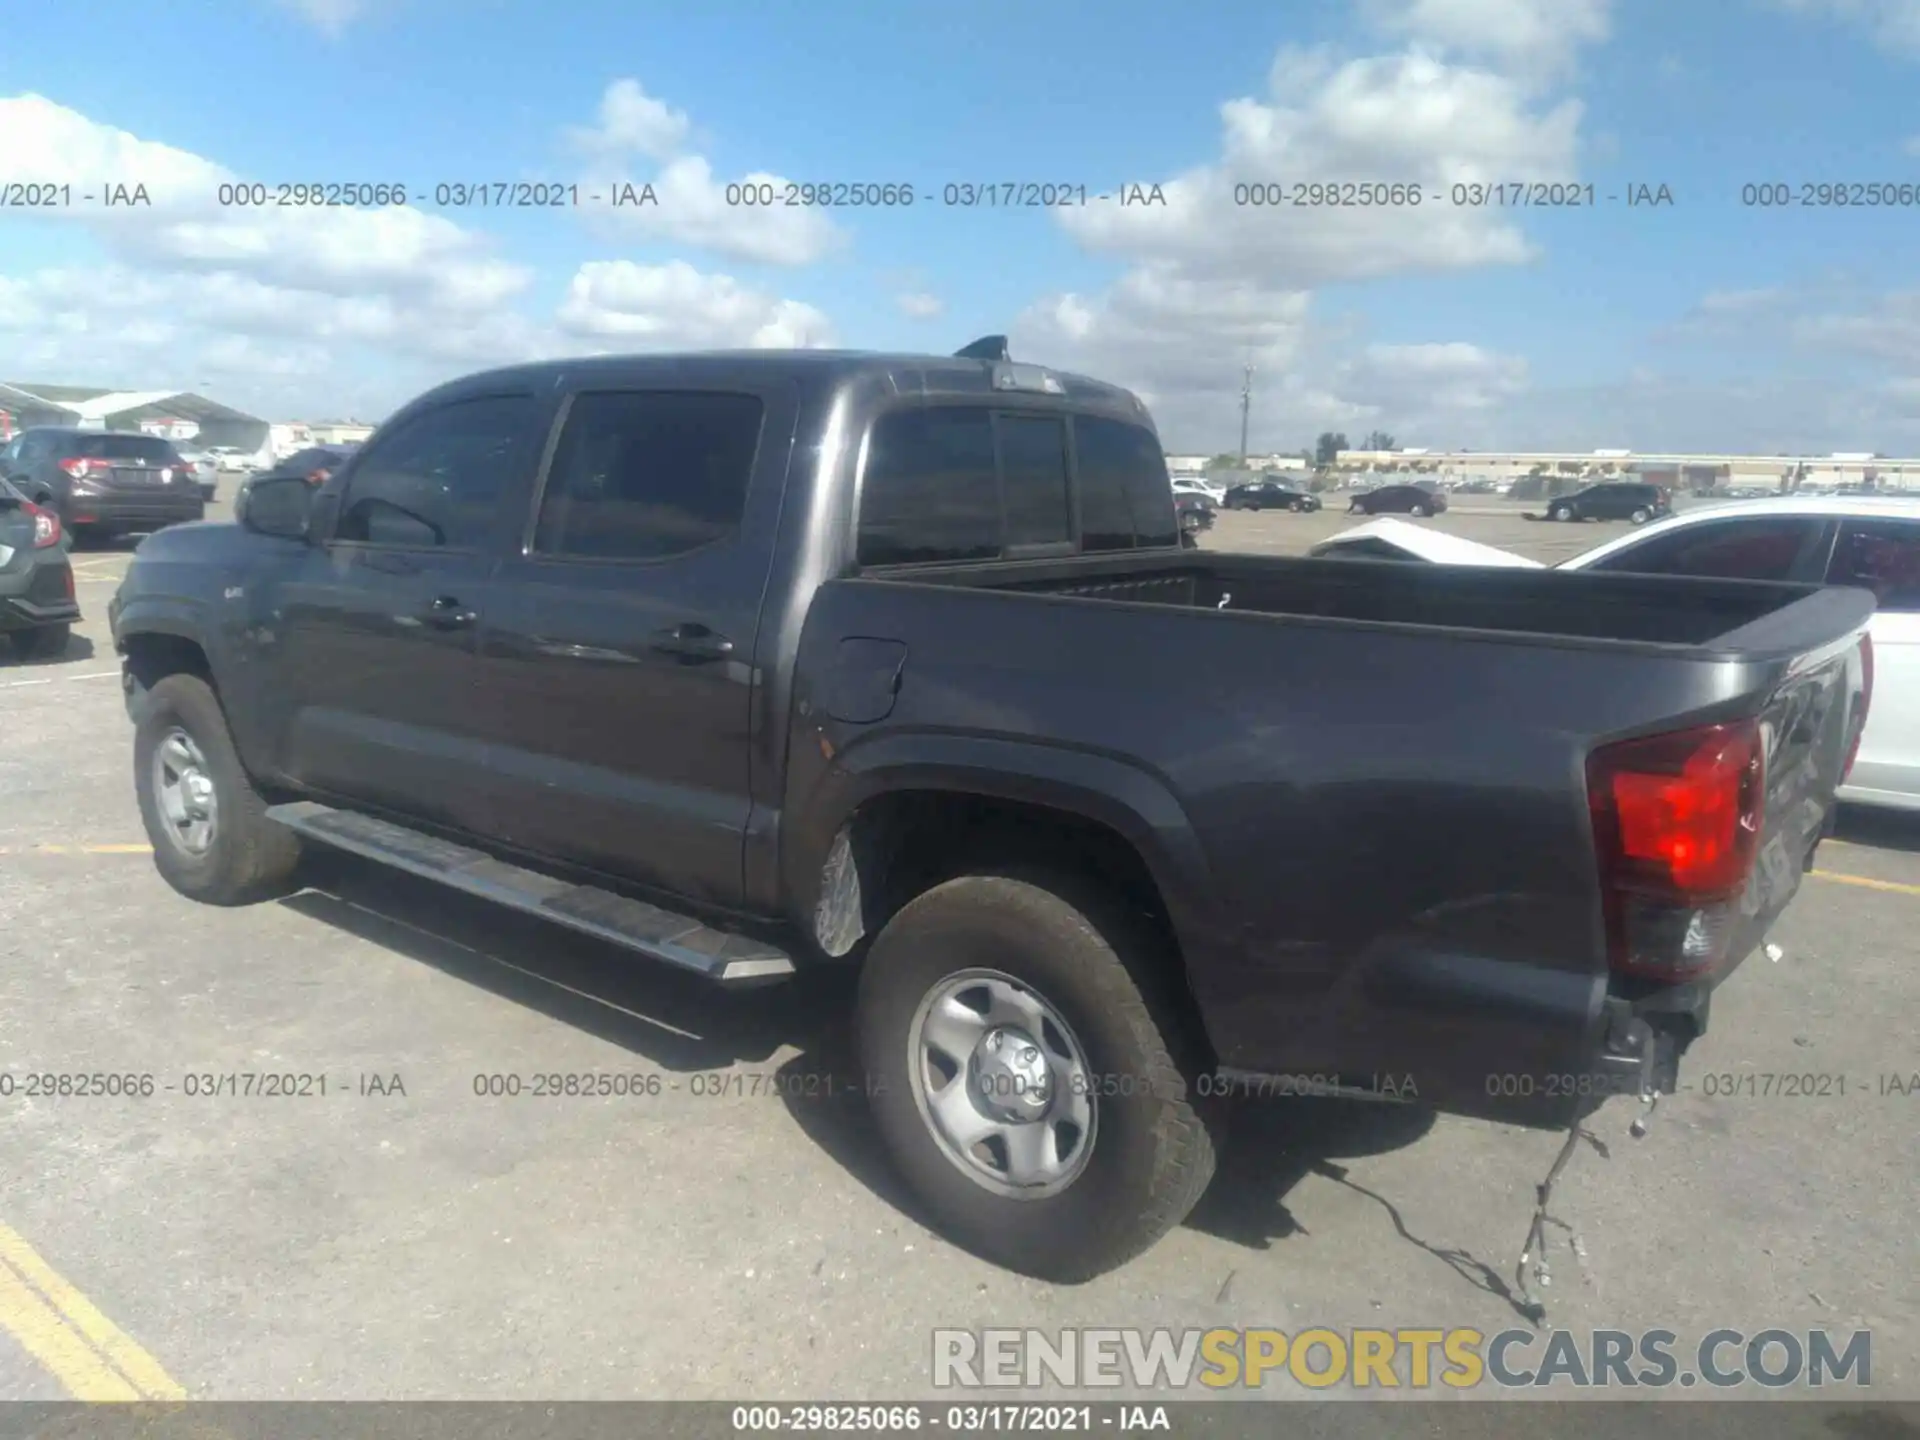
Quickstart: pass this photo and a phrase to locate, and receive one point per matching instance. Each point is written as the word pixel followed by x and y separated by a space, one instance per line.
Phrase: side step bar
pixel 677 939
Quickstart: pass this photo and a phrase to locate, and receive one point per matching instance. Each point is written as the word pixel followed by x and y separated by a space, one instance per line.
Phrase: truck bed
pixel 1368 777
pixel 1723 615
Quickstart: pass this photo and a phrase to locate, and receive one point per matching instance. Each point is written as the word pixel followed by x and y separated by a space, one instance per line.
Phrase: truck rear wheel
pixel 1026 1073
pixel 208 826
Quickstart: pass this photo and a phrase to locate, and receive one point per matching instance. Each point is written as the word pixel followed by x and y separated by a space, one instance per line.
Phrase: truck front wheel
pixel 1026 1073
pixel 208 826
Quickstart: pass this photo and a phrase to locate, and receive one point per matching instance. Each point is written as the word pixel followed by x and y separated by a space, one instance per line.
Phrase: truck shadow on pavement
pixel 683 1024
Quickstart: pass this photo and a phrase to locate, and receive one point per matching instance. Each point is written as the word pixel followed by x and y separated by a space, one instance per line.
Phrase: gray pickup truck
pixel 757 662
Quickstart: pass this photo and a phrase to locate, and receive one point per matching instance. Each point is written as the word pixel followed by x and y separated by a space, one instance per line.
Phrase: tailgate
pixel 1812 687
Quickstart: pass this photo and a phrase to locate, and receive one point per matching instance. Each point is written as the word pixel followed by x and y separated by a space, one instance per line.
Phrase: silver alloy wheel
pixel 1001 1082
pixel 183 790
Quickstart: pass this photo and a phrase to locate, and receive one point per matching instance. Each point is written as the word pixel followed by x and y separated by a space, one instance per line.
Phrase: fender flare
pixel 1121 795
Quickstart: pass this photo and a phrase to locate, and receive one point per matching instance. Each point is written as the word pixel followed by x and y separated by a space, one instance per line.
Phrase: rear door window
pixel 1760 548
pixel 1882 556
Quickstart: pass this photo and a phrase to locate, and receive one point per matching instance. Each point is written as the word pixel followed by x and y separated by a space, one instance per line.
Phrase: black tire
pixel 1560 512
pixel 1420 512
pixel 1298 507
pixel 45 642
pixel 1108 976
pixel 250 857
pixel 1356 508
pixel 1641 516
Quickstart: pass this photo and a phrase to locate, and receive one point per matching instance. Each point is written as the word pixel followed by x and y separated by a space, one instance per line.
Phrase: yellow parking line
pixel 1893 885
pixel 66 1332
pixel 43 1335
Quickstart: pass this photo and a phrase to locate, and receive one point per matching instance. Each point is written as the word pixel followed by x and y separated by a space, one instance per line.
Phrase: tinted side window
pixel 1118 459
pixel 929 491
pixel 1882 556
pixel 437 480
pixel 641 475
pixel 1033 479
pixel 1758 549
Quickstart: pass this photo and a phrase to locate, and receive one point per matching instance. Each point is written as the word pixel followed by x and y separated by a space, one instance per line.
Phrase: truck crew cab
pixel 752 662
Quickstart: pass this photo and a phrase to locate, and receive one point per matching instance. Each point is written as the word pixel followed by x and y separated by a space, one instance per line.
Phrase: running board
pixel 677 939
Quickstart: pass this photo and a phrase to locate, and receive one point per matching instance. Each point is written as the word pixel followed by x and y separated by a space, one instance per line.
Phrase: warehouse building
pixel 175 414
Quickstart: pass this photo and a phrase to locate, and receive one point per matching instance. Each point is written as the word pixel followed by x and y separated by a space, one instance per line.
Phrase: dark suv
pixel 1615 500
pixel 103 482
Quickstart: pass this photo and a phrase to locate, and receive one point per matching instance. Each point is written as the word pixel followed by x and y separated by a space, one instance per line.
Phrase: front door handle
pixel 692 642
pixel 447 613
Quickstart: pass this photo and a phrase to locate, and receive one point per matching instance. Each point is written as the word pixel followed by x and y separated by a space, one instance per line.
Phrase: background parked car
pixel 1187 485
pixel 1869 542
pixel 1398 500
pixel 1196 515
pixel 37 607
pixel 206 471
pixel 1269 495
pixel 1613 500
pixel 103 483
pixel 232 457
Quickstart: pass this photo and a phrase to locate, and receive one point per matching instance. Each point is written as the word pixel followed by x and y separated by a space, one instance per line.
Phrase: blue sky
pixel 1705 324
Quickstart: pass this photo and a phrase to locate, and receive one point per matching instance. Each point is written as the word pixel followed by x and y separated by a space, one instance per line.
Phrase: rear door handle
pixel 692 642
pixel 447 613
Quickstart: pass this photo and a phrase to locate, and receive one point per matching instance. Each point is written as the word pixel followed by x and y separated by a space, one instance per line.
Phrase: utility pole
pixel 1246 405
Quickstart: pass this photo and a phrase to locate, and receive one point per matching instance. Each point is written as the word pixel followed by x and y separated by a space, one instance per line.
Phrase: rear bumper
pixel 135 510
pixel 18 614
pixel 37 593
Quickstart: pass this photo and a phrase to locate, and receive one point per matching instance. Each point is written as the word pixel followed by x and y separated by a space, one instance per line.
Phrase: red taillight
pixel 1676 821
pixel 46 527
pixel 318 477
pixel 1866 704
pixel 84 467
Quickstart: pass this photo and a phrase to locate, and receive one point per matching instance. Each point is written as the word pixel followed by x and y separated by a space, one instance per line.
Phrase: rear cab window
pixel 947 483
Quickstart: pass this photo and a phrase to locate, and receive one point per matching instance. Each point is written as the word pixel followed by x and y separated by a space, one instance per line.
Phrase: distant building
pixel 175 414
pixel 288 436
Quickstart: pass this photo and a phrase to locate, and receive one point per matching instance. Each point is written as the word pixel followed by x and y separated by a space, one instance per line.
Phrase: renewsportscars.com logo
pixel 1416 1359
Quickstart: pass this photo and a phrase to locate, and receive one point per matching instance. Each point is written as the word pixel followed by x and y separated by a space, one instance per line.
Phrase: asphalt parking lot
pixel 400 1237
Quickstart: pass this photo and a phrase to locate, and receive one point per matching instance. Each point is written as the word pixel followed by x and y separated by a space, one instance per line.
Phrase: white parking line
pixel 48 680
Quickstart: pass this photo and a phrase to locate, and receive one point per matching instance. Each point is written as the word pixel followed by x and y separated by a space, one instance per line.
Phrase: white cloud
pixel 675 306
pixel 1215 284
pixel 1402 119
pixel 919 305
pixel 742 219
pixel 633 121
pixel 1529 34
pixel 1891 24
pixel 288 310
pixel 330 17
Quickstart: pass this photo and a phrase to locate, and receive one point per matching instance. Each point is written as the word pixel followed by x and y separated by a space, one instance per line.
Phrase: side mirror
pixel 280 506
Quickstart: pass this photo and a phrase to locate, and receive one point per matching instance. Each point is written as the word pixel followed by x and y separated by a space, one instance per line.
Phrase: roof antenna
pixel 987 347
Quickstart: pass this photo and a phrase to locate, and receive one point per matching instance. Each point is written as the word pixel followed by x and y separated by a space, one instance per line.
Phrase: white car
pixel 232 457
pixel 1386 539
pixel 1189 486
pixel 1868 541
